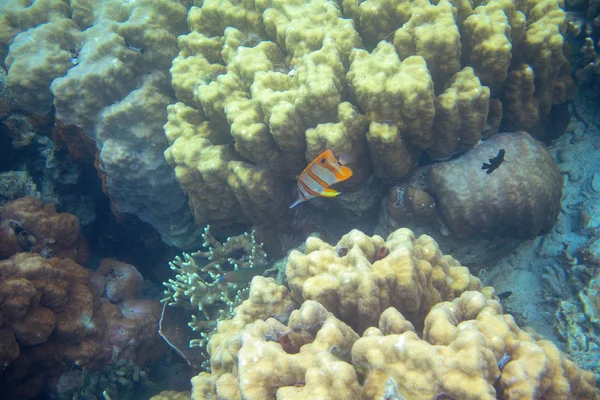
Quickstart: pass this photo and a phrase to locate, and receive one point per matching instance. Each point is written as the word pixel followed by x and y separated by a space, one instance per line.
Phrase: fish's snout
pixel 346 158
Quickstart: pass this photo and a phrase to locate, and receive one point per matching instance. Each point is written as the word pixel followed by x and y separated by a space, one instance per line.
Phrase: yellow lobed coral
pixel 458 343
pixel 422 76
pixel 171 395
pixel 362 276
pixel 460 115
pixel 387 89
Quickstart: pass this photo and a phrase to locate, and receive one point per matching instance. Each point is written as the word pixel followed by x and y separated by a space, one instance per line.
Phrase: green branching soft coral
pixel 211 290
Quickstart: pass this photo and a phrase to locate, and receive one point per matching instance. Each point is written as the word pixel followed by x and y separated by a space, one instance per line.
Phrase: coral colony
pixel 401 131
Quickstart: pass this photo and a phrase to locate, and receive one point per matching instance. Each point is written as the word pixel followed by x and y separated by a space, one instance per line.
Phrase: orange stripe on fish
pixel 322 172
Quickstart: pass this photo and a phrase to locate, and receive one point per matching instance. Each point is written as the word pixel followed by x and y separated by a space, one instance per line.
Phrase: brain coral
pixel 381 319
pixel 521 198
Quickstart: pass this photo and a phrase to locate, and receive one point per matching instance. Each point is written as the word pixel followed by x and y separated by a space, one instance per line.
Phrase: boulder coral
pixel 103 66
pixel 521 198
pixel 29 225
pixel 370 318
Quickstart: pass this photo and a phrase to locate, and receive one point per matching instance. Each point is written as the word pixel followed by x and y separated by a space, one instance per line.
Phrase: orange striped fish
pixel 322 172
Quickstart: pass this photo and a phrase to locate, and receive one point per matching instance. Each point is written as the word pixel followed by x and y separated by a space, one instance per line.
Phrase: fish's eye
pixel 322 161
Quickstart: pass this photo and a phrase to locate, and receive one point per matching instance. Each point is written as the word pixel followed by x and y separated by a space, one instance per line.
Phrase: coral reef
pixel 402 322
pixel 123 380
pixel 210 291
pixel 51 319
pixel 578 324
pixel 104 67
pixel 250 95
pixel 171 395
pixel 547 275
pixel 261 88
pixel 33 164
pixel 583 34
pixel 367 275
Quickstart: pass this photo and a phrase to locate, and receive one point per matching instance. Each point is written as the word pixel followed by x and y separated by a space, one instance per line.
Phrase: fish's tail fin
pixel 485 166
pixel 346 172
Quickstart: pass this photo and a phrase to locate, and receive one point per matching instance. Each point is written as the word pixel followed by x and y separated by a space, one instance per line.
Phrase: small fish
pixel 245 275
pixel 25 239
pixel 504 295
pixel 134 48
pixel 74 52
pixel 503 361
pixel 494 162
pixel 322 172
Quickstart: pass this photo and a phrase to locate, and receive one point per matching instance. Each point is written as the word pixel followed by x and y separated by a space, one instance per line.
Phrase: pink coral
pixel 117 281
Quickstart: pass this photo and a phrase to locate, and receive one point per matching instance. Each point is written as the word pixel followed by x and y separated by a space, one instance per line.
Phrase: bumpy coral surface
pixel 261 88
pixel 117 281
pixel 50 320
pixel 27 225
pixel 429 330
pixel 103 66
pixel 361 276
pixel 521 198
pixel 265 87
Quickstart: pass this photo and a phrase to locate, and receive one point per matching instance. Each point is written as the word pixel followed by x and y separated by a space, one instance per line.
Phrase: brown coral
pixel 27 224
pixel 117 281
pixel 49 319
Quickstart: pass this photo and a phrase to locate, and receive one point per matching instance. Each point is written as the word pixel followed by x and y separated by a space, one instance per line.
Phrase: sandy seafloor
pixel 543 272
pixel 547 274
